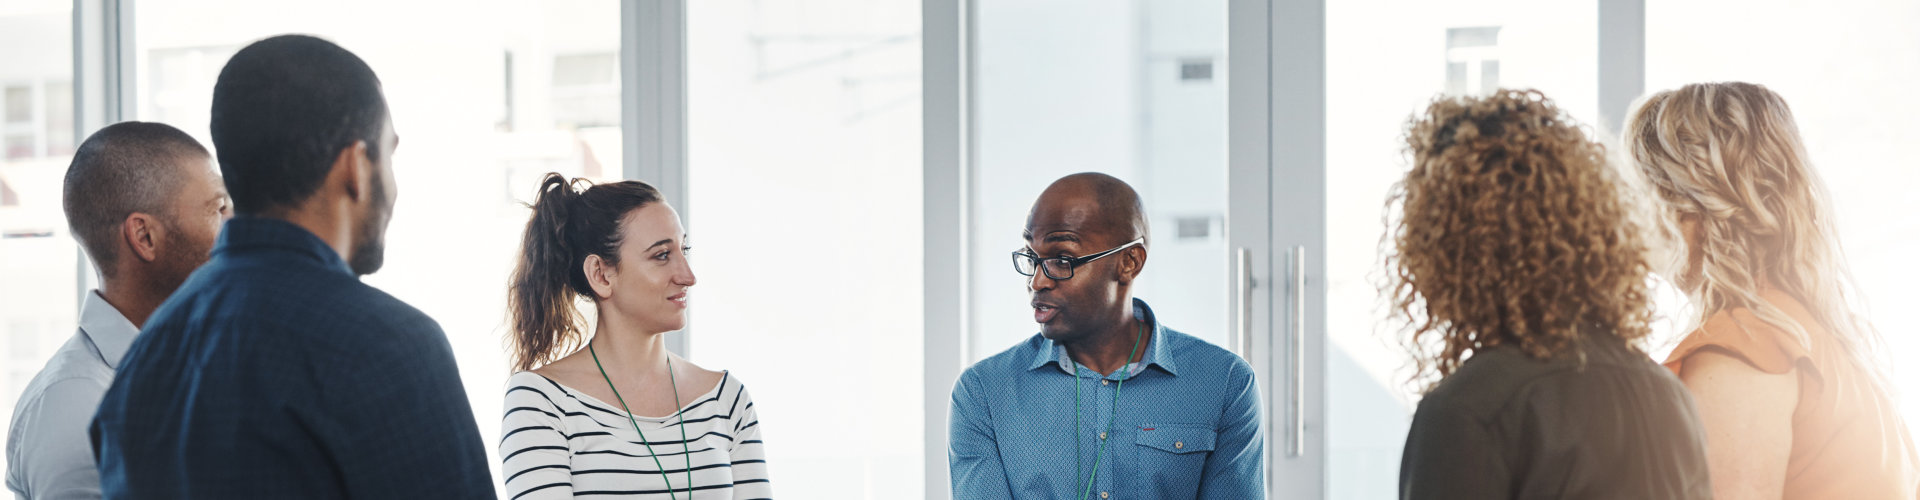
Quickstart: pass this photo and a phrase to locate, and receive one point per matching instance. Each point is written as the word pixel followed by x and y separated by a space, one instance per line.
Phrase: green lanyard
pixel 677 411
pixel 1115 407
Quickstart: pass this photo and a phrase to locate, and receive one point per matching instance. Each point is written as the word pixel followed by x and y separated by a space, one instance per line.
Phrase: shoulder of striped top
pixel 735 392
pixel 535 399
pixel 746 419
pixel 529 388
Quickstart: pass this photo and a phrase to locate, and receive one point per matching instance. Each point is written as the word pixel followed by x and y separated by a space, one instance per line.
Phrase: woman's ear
pixel 599 276
pixel 140 231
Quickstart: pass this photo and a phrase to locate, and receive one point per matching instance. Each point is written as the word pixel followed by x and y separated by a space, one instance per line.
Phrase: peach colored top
pixel 1848 439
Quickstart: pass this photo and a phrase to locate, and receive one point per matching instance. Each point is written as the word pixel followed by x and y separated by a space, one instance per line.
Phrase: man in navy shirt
pixel 274 372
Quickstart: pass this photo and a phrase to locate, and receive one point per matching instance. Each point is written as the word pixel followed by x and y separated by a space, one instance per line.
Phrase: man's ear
pixel 1132 261
pixel 353 170
pixel 140 233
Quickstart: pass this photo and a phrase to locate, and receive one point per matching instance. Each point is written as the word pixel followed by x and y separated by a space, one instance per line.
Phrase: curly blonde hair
pixel 1511 229
pixel 1727 157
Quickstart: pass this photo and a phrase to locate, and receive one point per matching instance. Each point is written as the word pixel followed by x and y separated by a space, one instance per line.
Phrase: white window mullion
pixel 653 96
pixel 103 87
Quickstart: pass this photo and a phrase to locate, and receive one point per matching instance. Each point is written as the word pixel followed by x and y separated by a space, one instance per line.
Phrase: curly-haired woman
pixel 1520 268
pixel 1789 391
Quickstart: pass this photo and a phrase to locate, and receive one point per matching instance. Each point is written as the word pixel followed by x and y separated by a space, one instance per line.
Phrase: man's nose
pixel 1039 281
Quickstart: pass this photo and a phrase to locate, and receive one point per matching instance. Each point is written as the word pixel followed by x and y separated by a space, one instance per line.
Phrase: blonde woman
pixel 1783 373
pixel 1524 277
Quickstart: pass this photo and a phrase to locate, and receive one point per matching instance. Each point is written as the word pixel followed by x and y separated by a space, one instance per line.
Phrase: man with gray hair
pixel 145 203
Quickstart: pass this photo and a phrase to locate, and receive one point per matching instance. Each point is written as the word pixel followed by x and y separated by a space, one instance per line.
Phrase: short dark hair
pixel 283 109
pixel 124 168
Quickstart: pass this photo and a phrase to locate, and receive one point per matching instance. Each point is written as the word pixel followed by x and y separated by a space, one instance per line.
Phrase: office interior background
pixel 853 172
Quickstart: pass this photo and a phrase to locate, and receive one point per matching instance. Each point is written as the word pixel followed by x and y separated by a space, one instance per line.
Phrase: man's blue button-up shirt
pixel 1188 424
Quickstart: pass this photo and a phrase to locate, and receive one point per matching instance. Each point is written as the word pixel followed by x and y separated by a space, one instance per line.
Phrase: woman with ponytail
pixel 607 409
pixel 1790 390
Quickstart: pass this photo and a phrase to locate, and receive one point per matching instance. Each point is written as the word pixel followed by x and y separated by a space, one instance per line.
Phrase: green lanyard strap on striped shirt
pixel 677 411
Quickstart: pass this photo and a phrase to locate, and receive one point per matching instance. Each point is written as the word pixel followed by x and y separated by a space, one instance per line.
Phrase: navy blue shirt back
pixel 273 372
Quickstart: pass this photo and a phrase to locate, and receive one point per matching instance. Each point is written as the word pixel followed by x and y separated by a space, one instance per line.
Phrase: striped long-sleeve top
pixel 557 442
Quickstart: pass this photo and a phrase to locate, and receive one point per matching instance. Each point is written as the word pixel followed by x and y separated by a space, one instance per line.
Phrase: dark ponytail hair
pixel 571 220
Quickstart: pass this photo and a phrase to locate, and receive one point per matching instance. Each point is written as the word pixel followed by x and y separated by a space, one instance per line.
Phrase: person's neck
pixel 1108 350
pixel 326 221
pixel 628 353
pixel 132 302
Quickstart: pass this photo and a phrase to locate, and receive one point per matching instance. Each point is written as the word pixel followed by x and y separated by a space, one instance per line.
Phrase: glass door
pixel 1139 90
pixel 1133 89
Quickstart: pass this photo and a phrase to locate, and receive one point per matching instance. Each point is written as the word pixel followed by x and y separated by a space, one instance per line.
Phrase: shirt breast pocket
pixel 1172 456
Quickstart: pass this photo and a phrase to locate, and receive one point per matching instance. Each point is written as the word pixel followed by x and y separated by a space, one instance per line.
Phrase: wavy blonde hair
pixel 1512 229
pixel 1727 157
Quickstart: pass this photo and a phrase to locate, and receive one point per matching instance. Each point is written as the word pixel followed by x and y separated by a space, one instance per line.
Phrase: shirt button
pixel 1104 381
pixel 1103 494
pixel 1103 435
pixel 1178 445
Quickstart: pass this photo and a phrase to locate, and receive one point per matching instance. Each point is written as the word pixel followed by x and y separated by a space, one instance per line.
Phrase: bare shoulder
pixel 571 370
pixel 699 378
pixel 1747 418
pixel 1717 363
pixel 1717 376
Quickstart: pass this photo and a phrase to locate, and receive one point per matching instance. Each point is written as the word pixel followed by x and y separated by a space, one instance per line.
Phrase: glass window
pixel 1135 90
pixel 39 305
pixel 1384 69
pixel 1842 67
pixel 804 151
pixel 20 104
pixel 586 89
pixel 21 146
pixel 58 126
pixel 478 132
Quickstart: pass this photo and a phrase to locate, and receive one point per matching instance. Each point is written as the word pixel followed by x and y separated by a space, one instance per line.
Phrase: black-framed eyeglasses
pixel 1061 268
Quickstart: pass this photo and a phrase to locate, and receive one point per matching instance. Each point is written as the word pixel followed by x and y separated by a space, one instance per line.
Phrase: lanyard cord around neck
pixel 1111 417
pixel 677 411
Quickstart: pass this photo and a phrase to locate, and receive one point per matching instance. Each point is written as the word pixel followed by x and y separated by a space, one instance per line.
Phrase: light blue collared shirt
pixel 1188 424
pixel 48 453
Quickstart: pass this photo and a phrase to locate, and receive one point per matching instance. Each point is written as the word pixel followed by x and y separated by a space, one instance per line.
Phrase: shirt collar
pixel 254 233
pixel 109 330
pixel 1156 349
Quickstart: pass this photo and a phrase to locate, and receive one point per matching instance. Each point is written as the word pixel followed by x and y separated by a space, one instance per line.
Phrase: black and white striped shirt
pixel 557 442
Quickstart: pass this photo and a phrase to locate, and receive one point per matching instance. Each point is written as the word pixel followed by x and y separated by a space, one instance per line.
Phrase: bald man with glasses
pixel 1105 401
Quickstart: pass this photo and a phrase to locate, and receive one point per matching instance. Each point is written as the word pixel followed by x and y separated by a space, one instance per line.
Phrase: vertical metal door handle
pixel 1296 352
